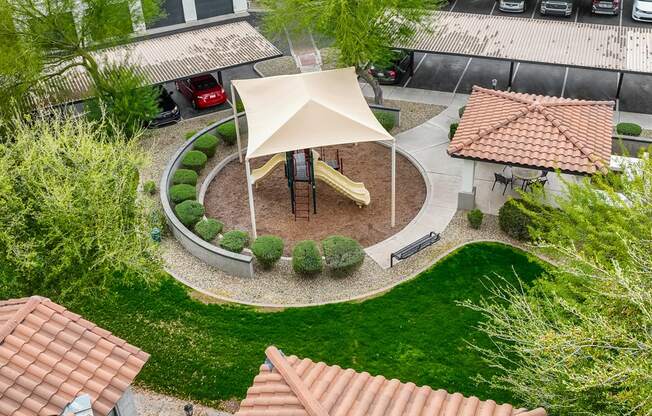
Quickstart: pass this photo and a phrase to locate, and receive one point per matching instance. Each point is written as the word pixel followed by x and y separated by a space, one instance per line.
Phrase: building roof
pixel 289 386
pixel 535 131
pixel 325 108
pixel 617 48
pixel 49 356
pixel 171 57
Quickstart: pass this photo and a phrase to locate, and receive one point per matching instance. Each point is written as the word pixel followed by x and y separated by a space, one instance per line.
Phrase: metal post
pixel 219 78
pixel 236 121
pixel 620 85
pixel 251 200
pixel 511 75
pixel 393 222
pixel 412 63
pixel 313 182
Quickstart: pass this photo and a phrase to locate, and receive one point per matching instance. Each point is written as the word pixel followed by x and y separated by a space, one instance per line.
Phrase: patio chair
pixel 503 180
pixel 542 181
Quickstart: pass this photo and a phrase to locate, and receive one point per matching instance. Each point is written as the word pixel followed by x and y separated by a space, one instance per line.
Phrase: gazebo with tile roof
pixel 532 131
pixel 290 386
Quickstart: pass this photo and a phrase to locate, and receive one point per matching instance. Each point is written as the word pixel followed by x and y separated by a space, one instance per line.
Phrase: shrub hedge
pixel 460 111
pixel 189 134
pixel 514 221
pixel 208 228
pixel 475 217
pixel 239 106
pixel 182 192
pixel 267 249
pixel 306 259
pixel 194 160
pixel 227 132
pixel 189 212
pixel 629 129
pixel 385 119
pixel 452 129
pixel 235 241
pixel 149 187
pixel 186 176
pixel 343 254
pixel 207 144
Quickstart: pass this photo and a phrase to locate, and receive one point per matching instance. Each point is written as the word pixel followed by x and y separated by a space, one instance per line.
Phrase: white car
pixel 642 10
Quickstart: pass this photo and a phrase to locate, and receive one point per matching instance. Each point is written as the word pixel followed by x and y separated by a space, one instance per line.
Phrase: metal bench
pixel 414 248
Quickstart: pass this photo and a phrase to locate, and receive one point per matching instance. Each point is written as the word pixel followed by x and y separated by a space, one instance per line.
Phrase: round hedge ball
pixel 268 249
pixel 194 160
pixel 182 192
pixel 343 254
pixel 227 132
pixel 207 144
pixel 235 241
pixel 208 228
pixel 306 259
pixel 186 176
pixel 189 212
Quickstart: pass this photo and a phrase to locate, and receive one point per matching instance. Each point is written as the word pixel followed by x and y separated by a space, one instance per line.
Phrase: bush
pixel 149 187
pixel 514 221
pixel 475 217
pixel 227 132
pixel 189 134
pixel 234 241
pixel 343 254
pixel 208 228
pixel 461 111
pixel 194 160
pixel 451 130
pixel 186 176
pixel 268 249
pixel 239 107
pixel 629 129
pixel 385 119
pixel 182 192
pixel 306 259
pixel 206 143
pixel 189 212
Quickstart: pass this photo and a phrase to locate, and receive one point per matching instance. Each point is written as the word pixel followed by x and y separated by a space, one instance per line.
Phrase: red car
pixel 203 91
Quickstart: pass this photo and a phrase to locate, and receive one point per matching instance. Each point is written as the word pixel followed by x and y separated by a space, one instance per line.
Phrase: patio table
pixel 525 174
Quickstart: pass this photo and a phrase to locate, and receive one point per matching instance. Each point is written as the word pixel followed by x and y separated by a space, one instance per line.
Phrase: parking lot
pixel 459 74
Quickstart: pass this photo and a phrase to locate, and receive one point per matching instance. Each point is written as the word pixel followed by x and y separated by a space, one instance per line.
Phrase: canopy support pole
pixel 393 183
pixel 236 122
pixel 250 191
pixel 511 75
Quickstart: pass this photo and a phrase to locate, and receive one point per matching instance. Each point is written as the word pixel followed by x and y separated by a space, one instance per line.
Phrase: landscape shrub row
pixel 342 255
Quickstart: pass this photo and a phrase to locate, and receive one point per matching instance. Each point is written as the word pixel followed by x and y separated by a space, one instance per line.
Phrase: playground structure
pixel 302 169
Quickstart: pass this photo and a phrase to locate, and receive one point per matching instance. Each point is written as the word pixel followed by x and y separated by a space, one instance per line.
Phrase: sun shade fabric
pixel 292 112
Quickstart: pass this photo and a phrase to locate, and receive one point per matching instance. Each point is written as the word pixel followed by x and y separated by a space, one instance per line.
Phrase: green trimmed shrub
pixel 227 132
pixel 461 111
pixel 194 160
pixel 239 106
pixel 629 129
pixel 208 228
pixel 385 119
pixel 189 134
pixel 234 241
pixel 475 217
pixel 182 192
pixel 268 249
pixel 514 221
pixel 149 187
pixel 206 143
pixel 186 176
pixel 306 259
pixel 343 255
pixel 189 212
pixel 452 129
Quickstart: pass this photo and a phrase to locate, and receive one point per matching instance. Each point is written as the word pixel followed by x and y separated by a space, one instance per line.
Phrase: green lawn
pixel 416 332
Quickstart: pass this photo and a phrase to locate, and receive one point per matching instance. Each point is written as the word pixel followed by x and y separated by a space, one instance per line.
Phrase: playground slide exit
pixel 355 191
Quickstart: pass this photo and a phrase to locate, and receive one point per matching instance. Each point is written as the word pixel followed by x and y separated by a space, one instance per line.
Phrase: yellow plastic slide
pixel 352 190
pixel 267 168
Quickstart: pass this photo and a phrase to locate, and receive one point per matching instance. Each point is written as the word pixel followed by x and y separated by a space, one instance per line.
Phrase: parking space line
pixel 415 70
pixel 536 5
pixel 518 64
pixel 493 8
pixel 622 10
pixel 563 86
pixel 453 6
pixel 459 81
pixel 577 13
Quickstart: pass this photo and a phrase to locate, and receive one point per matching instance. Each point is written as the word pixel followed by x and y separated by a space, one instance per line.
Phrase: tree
pixel 362 31
pixel 72 220
pixel 580 342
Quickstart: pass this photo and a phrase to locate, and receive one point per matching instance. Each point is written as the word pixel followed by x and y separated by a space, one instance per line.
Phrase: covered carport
pixel 168 58
pixel 623 50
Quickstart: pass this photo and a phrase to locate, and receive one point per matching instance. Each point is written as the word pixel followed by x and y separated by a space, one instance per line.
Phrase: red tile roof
pixel 49 356
pixel 538 131
pixel 289 386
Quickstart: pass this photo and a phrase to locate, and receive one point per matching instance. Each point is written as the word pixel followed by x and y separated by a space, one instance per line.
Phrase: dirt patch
pixel 227 201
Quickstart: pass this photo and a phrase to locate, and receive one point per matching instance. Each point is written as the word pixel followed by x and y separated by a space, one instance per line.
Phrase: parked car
pixel 202 91
pixel 557 7
pixel 606 7
pixel 169 110
pixel 642 10
pixel 399 65
pixel 511 6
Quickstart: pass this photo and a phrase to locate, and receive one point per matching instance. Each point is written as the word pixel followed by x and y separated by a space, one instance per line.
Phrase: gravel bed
pixel 280 287
pixel 412 114
pixel 149 403
pixel 285 65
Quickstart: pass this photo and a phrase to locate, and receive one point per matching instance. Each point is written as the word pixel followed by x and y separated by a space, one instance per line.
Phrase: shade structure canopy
pixel 293 112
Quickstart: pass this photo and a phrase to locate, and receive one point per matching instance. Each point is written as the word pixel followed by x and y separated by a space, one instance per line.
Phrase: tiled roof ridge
pixel 568 134
pixel 29 304
pixel 309 402
pixel 573 102
pixel 531 98
pixel 508 95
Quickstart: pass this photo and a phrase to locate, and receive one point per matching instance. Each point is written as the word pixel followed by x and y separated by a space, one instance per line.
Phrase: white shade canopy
pixel 292 112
